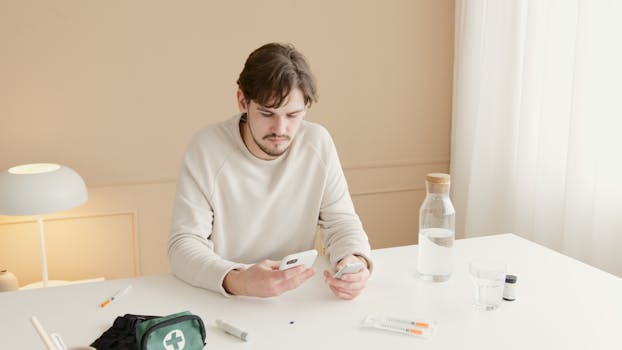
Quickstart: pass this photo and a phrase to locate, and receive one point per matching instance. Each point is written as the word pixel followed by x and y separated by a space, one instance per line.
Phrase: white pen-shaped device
pixel 58 341
pixel 45 337
pixel 234 331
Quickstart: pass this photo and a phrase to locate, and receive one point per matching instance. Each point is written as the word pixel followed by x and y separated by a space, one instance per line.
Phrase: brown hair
pixel 271 71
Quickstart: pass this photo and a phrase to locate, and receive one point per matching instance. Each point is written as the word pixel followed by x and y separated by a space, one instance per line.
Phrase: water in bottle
pixel 436 230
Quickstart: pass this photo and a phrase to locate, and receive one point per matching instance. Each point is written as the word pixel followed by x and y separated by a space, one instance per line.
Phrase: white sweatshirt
pixel 233 209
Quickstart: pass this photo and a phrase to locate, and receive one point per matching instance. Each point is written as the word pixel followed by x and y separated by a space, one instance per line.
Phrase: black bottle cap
pixel 510 279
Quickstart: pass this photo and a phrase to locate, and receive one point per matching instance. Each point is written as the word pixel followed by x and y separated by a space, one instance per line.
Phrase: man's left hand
pixel 350 285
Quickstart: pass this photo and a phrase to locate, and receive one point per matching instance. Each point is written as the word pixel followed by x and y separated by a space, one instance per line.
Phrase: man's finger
pixel 353 277
pixel 268 264
pixel 293 272
pixel 345 289
pixel 343 294
pixel 297 279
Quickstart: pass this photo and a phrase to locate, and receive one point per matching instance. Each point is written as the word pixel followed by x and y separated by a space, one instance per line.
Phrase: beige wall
pixel 115 90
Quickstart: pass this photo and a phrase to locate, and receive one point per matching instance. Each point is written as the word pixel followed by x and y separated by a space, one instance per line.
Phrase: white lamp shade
pixel 36 189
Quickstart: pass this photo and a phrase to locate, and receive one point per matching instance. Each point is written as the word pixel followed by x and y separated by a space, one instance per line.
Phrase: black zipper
pixel 181 318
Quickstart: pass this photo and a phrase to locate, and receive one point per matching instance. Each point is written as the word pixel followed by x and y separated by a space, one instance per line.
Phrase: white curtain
pixel 537 124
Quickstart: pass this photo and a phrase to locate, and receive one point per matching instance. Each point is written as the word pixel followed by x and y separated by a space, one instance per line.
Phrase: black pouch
pixel 122 334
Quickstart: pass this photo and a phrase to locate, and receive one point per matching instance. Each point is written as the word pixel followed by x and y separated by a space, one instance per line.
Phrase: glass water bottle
pixel 437 218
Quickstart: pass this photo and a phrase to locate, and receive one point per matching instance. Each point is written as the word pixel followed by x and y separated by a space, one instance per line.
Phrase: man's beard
pixel 266 150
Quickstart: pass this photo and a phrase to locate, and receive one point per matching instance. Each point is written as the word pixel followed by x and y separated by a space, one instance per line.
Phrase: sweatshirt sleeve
pixel 343 232
pixel 190 250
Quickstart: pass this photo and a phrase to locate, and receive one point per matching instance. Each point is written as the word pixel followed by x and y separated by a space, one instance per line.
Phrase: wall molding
pixel 9 220
pixel 396 176
pixel 394 164
pixel 386 190
pixel 399 163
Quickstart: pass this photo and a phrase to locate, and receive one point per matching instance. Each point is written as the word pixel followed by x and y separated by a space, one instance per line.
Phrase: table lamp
pixel 37 189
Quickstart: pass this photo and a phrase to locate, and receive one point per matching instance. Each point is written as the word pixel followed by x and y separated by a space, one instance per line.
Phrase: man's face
pixel 268 132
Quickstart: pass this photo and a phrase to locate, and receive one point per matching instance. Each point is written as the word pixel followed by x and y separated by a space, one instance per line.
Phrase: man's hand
pixel 350 285
pixel 265 280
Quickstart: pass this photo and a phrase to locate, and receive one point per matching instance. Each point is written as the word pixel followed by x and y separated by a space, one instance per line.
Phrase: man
pixel 253 189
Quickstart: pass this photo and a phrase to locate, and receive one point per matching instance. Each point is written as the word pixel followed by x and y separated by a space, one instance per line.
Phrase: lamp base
pixel 8 281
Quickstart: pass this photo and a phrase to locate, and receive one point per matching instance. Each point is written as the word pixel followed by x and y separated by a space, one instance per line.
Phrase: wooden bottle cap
pixel 438 182
pixel 438 178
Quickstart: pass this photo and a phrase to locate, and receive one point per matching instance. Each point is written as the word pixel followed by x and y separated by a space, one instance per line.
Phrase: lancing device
pixel 234 331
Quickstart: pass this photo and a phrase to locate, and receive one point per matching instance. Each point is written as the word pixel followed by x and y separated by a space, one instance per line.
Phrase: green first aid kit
pixel 180 331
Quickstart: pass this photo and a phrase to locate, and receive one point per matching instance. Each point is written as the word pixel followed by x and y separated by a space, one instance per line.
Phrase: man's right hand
pixel 264 279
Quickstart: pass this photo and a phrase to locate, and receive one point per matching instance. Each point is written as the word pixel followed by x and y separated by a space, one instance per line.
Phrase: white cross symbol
pixel 174 340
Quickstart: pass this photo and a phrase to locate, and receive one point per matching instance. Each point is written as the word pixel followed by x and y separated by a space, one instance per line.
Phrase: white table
pixel 561 304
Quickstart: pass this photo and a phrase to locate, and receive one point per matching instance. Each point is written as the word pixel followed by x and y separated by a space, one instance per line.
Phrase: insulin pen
pixel 116 296
pixel 234 331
